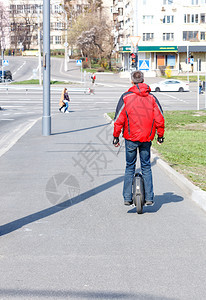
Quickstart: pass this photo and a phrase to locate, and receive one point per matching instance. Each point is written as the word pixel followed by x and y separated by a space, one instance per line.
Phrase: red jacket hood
pixel 141 89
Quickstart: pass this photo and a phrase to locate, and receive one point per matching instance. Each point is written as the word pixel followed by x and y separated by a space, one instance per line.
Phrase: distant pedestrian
pixel 64 101
pixel 93 77
pixel 200 87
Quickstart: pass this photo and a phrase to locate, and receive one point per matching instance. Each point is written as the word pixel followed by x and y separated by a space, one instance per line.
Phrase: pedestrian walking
pixel 64 101
pixel 93 77
pixel 200 87
pixel 140 115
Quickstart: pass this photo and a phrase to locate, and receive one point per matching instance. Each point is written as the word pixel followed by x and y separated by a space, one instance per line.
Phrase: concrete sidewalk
pixel 65 233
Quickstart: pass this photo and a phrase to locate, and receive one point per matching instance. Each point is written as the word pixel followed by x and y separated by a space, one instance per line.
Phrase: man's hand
pixel 116 141
pixel 160 140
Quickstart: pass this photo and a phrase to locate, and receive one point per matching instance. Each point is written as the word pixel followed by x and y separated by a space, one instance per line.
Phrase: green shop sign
pixel 125 49
pixel 150 49
pixel 158 49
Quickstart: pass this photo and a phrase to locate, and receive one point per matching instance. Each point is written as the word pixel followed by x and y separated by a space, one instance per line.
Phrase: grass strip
pixel 36 81
pixel 192 78
pixel 184 147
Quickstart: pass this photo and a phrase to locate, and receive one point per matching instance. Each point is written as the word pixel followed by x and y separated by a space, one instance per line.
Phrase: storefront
pixel 157 58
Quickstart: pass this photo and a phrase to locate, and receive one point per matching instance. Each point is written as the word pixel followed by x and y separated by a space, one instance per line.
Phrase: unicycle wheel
pixel 138 192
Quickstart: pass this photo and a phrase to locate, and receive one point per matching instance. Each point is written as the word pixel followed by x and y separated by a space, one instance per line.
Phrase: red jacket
pixel 140 115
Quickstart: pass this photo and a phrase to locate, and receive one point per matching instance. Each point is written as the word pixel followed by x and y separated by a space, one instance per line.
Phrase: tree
pixel 92 35
pixel 4 25
pixel 23 23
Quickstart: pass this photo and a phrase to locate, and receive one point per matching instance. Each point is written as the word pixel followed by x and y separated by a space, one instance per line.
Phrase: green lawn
pixel 184 147
pixel 36 81
pixel 184 77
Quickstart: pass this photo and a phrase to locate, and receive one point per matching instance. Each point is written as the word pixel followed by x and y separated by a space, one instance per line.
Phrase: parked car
pixel 7 75
pixel 170 85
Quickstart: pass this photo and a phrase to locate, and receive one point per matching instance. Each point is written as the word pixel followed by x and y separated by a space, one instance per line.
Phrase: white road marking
pixel 13 106
pixel 173 97
pixel 19 68
pixel 6 119
pixel 10 139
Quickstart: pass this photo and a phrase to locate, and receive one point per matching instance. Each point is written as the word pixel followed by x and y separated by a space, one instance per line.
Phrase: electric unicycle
pixel 138 192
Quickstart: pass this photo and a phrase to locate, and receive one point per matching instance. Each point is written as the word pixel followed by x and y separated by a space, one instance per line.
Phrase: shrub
pixel 85 65
pixel 100 69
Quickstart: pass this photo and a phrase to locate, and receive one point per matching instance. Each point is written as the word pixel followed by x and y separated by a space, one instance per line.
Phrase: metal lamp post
pixel 46 119
pixel 66 39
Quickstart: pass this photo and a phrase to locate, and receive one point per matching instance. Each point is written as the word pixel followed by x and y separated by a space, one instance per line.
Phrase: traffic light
pixel 189 54
pixel 133 56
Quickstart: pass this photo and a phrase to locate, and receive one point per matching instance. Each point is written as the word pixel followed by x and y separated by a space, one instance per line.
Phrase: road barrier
pixel 75 90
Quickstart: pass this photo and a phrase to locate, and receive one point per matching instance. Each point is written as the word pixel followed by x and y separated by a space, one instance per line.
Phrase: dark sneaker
pixel 128 203
pixel 149 203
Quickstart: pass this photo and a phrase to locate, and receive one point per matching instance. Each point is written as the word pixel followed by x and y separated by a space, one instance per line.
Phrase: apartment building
pixel 25 16
pixel 168 30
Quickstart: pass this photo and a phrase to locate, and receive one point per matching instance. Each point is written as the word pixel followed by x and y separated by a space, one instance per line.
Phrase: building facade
pixel 169 30
pixel 26 16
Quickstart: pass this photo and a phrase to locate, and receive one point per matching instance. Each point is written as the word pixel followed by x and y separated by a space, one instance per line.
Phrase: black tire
pixel 157 89
pixel 138 192
pixel 181 89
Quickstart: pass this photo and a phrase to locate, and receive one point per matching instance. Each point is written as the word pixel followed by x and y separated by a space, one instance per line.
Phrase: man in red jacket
pixel 140 115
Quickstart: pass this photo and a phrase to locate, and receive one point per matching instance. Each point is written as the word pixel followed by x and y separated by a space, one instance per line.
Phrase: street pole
pixel 136 33
pixel 2 66
pixel 187 63
pixel 205 90
pixel 66 40
pixel 198 84
pixel 46 119
pixel 39 48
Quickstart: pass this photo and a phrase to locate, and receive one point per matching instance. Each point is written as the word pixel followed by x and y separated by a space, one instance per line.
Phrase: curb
pixel 194 192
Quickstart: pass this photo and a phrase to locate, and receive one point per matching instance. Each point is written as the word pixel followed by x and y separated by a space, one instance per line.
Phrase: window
pixel 13 9
pixel 190 35
pixel 202 18
pixel 27 8
pixel 58 40
pixel 168 36
pixel 148 36
pixel 57 8
pixel 20 9
pixel 203 35
pixel 194 2
pixel 167 2
pixel 34 8
pixel 192 18
pixel 168 19
pixel 147 19
pixel 58 26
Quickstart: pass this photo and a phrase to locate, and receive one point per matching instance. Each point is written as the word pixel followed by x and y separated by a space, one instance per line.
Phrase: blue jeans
pixel 67 106
pixel 131 158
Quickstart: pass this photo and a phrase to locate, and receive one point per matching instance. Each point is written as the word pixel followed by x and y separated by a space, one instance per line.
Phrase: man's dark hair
pixel 137 77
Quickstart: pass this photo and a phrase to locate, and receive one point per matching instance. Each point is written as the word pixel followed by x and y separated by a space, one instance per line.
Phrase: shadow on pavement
pixel 12 226
pixel 160 200
pixel 81 129
pixel 64 294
